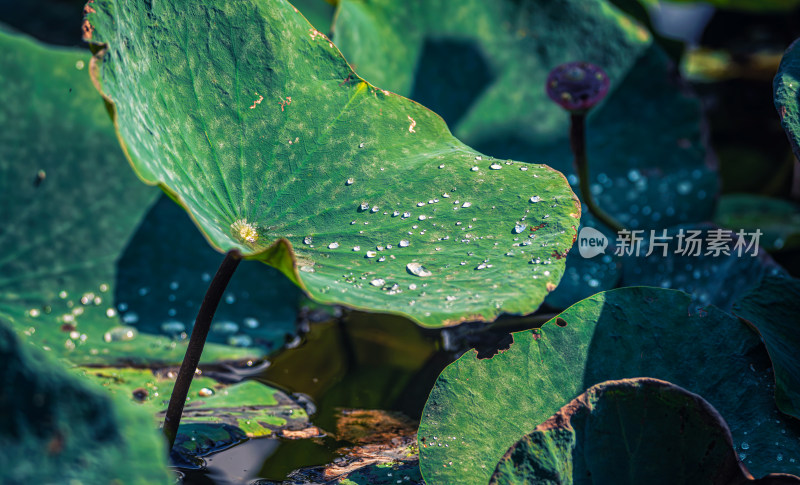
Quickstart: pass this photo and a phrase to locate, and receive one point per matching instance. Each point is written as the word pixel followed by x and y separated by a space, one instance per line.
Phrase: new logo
pixel 591 242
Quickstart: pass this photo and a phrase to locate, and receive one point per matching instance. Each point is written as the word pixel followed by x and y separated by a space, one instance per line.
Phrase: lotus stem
pixel 577 141
pixel 197 341
pixel 578 87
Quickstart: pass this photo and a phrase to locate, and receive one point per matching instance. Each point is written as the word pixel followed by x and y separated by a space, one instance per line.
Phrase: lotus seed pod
pixel 577 86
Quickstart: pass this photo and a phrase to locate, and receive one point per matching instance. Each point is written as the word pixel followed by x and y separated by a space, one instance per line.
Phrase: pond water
pixel 360 361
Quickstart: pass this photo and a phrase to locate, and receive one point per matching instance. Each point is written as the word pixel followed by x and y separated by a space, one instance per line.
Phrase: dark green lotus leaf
pixel 160 289
pixel 785 90
pixel 216 415
pixel 772 309
pixel 638 430
pixel 482 66
pixel 480 407
pixel 360 196
pixel 713 274
pixel 69 205
pixel 57 428
pixel 777 219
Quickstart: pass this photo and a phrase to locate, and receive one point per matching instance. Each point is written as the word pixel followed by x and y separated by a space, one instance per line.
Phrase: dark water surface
pixel 361 361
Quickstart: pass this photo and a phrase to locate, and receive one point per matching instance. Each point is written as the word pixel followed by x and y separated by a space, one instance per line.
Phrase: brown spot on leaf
pixel 140 394
pixel 88 30
pixel 86 27
pixel 536 228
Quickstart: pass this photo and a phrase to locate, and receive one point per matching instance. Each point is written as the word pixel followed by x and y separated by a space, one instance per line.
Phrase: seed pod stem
pixel 577 141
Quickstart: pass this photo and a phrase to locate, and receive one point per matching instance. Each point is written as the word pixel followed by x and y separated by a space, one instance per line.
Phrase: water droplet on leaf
pixel 120 334
pixel 418 270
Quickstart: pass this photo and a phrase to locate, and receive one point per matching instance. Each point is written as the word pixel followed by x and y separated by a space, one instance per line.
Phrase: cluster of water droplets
pixel 71 310
pixel 428 230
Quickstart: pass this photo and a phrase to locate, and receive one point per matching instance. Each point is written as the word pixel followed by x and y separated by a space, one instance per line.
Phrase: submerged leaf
pixel 216 415
pixel 281 151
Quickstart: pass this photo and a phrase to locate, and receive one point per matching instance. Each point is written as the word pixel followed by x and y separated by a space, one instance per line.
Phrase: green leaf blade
pixel 619 334
pixel 70 205
pixel 771 309
pixel 280 151
pixel 785 88
pixel 606 435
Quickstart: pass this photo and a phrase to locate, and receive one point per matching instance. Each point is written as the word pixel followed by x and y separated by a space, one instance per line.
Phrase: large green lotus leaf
pixel 606 435
pixel 69 205
pixel 57 428
pixel 777 219
pixel 255 123
pixel 712 276
pixel 785 91
pixel 483 65
pixel 772 309
pixel 159 289
pixel 480 407
pixel 216 415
